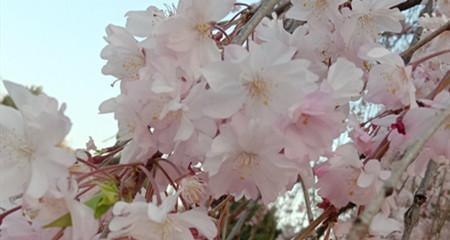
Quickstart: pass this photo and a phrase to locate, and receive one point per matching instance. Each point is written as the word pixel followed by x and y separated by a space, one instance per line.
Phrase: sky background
pixel 56 44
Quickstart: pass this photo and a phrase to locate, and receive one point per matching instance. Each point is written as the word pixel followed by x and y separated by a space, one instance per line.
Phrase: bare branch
pixel 251 206
pixel 412 215
pixel 361 226
pixel 307 200
pixel 408 53
pixel 407 5
pixel 265 8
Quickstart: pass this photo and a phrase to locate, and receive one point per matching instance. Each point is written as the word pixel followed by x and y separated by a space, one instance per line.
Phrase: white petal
pixel 225 103
pixel 199 220
pixel 373 166
pixel 21 95
pixel 38 183
pixel 365 180
pixel 221 74
pixel 185 130
pixel 346 80
pixel 84 225
pixel 384 175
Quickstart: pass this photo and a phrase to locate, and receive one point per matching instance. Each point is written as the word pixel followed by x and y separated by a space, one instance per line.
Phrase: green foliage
pixel 100 203
pixel 63 221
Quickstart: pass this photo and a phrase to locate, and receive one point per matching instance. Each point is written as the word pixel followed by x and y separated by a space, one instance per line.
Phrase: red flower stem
pixel 8 212
pixel 152 184
pixel 109 168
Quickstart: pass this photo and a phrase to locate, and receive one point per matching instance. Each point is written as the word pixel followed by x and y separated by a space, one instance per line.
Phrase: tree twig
pixel 408 53
pixel 307 231
pixel 307 200
pixel 407 4
pixel 251 207
pixel 412 215
pixel 361 225
pixel 265 8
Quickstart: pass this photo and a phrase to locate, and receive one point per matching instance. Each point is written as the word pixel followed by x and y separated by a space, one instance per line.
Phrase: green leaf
pixel 101 209
pixel 92 203
pixel 100 203
pixel 63 221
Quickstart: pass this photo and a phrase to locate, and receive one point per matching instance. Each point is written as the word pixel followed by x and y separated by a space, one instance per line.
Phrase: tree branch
pixel 362 223
pixel 251 207
pixel 412 215
pixel 265 8
pixel 407 5
pixel 408 53
pixel 307 200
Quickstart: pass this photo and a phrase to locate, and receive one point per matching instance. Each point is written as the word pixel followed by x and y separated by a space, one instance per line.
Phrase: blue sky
pixel 56 44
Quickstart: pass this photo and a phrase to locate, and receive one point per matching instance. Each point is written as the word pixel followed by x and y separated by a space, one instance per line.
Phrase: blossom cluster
pixel 204 120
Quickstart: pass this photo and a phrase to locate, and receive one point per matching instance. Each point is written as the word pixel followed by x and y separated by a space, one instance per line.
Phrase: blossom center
pixel 203 29
pixel 133 65
pixel 192 189
pixel 166 228
pixel 365 20
pixel 245 163
pixel 14 146
pixel 321 4
pixel 258 89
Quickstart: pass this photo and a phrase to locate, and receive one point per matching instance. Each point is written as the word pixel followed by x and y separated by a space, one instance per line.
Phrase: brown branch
pixel 308 230
pixel 251 207
pixel 412 215
pixel 407 5
pixel 265 8
pixel 443 84
pixel 307 200
pixel 439 216
pixel 408 53
pixel 362 223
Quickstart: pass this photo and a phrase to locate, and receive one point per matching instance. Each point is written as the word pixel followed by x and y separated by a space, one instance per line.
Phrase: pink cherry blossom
pixel 372 171
pixel 319 11
pixel 312 127
pixel 264 83
pixel 142 221
pixel 31 158
pixel 125 57
pixel 245 160
pixel 367 18
pixel 338 178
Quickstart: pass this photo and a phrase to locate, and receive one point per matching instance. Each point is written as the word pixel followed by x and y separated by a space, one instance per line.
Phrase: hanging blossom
pixel 125 57
pixel 32 156
pixel 390 82
pixel 316 12
pixel 52 206
pixel 338 178
pixel 368 18
pixel 147 221
pixel 245 160
pixel 264 83
pixel 371 172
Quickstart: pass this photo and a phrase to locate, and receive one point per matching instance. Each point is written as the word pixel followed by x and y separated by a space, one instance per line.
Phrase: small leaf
pixel 92 203
pixel 63 221
pixel 100 210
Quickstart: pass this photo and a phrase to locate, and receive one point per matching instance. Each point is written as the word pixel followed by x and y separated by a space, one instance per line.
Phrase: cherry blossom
pixel 226 107
pixel 243 158
pixel 142 221
pixel 372 171
pixel 31 156
pixel 264 83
